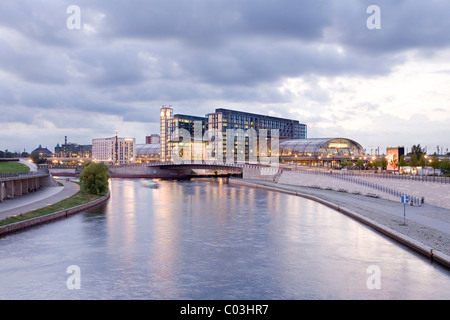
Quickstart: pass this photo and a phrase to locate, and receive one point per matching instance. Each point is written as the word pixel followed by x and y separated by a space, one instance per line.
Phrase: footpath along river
pixel 205 239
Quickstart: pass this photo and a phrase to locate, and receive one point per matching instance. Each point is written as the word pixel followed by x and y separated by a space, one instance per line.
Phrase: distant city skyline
pixel 314 61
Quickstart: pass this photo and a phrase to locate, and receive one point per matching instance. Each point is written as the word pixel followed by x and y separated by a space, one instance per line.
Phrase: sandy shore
pixel 428 225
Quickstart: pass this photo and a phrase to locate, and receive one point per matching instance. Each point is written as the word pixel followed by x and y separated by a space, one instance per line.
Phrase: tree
pixel 414 161
pixel 94 178
pixel 383 162
pixel 417 150
pixel 344 163
pixel 38 159
pixel 402 162
pixel 423 160
pixel 360 164
pixel 445 165
pixel 435 162
pixel 376 163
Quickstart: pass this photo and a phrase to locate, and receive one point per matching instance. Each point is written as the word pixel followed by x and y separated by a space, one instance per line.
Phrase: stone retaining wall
pixel 437 194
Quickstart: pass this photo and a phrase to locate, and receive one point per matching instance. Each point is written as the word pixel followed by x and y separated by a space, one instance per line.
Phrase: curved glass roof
pixel 321 147
pixel 148 149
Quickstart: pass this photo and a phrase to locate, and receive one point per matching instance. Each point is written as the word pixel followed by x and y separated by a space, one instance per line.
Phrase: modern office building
pixel 114 150
pixel 165 115
pixel 234 135
pixel 174 127
pixel 243 125
pixel 223 119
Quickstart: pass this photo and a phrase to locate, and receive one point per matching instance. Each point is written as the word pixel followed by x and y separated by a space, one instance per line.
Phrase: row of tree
pixel 8 154
pixel 417 158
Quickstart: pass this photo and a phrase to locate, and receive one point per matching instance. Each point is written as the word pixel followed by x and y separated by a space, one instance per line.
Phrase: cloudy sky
pixel 315 61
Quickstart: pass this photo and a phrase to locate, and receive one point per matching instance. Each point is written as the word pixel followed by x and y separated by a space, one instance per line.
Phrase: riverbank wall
pixel 23 225
pixel 433 193
pixel 417 246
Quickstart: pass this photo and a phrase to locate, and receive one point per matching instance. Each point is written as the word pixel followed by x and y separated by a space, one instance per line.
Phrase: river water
pixel 204 239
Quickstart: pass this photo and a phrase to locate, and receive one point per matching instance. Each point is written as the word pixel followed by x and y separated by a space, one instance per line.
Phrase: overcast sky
pixel 314 61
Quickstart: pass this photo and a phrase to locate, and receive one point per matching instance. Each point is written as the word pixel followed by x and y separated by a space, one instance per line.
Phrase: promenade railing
pixel 11 175
pixel 384 175
pixel 356 179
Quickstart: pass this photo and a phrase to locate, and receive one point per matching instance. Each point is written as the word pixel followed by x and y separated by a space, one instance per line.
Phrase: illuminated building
pixel 42 151
pixel 393 156
pixel 153 139
pixel 233 135
pixel 320 151
pixel 73 150
pixel 241 125
pixel 114 150
pixel 165 114
pixel 147 153
pixel 224 119
pixel 172 129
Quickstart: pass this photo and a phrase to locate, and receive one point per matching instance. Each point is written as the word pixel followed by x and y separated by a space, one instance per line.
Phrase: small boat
pixel 150 184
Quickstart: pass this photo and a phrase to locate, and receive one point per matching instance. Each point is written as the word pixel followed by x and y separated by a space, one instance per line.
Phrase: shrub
pixel 94 178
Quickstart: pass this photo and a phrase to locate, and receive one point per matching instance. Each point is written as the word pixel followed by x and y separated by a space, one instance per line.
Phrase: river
pixel 204 239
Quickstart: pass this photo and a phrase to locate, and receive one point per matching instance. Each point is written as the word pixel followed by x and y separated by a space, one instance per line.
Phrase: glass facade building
pixel 243 125
pixel 165 115
pixel 230 134
pixel 174 128
pixel 224 119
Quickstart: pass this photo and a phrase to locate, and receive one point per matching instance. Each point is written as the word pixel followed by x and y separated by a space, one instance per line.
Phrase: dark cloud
pixel 131 57
pixel 405 25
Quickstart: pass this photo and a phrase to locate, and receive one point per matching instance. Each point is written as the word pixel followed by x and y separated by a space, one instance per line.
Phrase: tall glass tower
pixel 165 115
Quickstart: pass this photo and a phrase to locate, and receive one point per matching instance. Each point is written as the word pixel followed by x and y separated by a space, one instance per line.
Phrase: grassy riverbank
pixel 13 167
pixel 78 199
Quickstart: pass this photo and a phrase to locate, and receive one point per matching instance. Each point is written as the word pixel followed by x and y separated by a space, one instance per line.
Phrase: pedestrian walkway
pixel 431 216
pixel 43 197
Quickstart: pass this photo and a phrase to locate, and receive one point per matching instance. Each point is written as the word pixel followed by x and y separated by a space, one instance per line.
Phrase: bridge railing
pixel 363 173
pixel 311 170
pixel 355 178
pixel 9 175
pixel 195 163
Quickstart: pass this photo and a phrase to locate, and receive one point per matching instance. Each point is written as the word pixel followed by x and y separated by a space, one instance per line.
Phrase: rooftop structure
pixel 320 151
pixel 146 153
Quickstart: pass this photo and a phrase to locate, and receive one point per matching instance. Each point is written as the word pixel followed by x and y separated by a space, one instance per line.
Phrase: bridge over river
pixel 175 170
pixel 17 184
pixel 432 190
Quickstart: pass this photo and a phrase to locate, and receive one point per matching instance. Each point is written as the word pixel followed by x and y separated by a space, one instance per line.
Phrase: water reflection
pixel 207 240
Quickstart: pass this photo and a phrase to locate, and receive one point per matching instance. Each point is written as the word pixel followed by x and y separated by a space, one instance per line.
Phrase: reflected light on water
pixel 202 239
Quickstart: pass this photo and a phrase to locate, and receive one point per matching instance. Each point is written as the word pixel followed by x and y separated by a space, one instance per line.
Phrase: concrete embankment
pixel 22 225
pixel 414 244
pixel 436 194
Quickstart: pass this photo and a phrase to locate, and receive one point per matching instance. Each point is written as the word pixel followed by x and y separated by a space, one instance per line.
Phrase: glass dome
pixel 321 147
pixel 148 149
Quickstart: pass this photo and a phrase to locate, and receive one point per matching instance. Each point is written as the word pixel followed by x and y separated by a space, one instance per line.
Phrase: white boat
pixel 149 184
